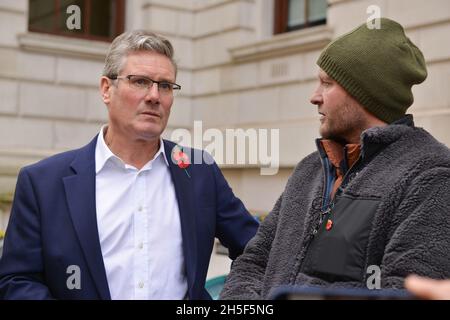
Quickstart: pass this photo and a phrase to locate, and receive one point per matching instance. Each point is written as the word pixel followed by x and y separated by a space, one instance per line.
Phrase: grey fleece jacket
pixel 406 171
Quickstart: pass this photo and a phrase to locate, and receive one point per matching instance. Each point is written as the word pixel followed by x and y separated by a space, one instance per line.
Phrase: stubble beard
pixel 345 124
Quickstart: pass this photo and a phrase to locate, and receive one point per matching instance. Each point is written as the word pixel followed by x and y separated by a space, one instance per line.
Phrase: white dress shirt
pixel 139 227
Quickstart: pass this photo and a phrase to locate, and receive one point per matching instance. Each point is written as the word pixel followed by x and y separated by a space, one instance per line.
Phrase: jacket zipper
pixel 323 204
pixel 323 213
pixel 310 236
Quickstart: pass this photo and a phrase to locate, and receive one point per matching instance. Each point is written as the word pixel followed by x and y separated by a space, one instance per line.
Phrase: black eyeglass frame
pixel 174 85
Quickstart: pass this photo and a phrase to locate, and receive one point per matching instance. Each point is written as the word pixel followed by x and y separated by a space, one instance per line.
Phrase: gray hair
pixel 138 40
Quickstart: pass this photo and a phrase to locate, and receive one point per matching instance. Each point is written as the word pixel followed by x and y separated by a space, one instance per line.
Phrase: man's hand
pixel 425 288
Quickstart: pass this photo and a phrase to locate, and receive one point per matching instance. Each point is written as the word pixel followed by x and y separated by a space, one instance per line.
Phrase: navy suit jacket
pixel 53 225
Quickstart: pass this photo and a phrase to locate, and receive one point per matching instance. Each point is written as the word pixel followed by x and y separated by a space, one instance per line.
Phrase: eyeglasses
pixel 143 83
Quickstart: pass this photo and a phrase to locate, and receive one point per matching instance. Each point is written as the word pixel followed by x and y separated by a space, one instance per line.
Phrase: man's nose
pixel 153 93
pixel 316 97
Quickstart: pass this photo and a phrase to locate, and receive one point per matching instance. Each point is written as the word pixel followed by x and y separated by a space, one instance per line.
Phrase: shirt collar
pixel 336 152
pixel 103 153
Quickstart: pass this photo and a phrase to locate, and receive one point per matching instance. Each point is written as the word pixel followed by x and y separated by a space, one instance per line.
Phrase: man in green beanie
pixel 372 204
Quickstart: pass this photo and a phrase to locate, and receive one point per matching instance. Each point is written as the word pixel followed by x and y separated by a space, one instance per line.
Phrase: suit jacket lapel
pixel 182 180
pixel 80 194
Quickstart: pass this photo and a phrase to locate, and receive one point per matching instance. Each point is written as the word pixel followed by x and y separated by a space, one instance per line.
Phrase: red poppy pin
pixel 329 225
pixel 181 158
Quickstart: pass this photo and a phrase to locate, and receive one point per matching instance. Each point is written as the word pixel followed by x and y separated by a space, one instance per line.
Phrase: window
pixel 99 19
pixel 297 14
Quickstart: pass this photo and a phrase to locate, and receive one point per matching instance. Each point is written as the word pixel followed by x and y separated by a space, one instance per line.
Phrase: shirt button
pixel 141 285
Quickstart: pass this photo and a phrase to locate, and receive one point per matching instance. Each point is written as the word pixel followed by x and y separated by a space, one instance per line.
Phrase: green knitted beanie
pixel 377 67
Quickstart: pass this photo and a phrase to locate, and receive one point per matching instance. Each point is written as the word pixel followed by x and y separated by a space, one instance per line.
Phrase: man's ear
pixel 105 89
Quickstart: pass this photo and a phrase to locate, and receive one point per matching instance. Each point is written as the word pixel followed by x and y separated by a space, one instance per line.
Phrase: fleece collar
pixel 375 139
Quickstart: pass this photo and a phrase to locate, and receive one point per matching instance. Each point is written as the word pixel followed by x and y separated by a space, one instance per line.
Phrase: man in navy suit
pixel 128 216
